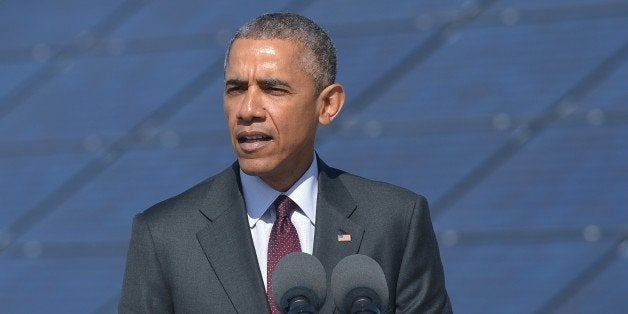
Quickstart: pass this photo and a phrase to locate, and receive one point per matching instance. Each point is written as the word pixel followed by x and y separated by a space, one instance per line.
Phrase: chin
pixel 254 167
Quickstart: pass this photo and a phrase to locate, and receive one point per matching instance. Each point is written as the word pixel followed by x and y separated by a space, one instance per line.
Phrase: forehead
pixel 280 55
pixel 263 50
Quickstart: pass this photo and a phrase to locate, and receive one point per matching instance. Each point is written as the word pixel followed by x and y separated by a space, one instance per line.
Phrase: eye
pixel 276 91
pixel 234 90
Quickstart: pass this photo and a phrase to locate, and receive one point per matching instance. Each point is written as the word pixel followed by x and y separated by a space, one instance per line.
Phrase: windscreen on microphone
pixel 299 275
pixel 357 277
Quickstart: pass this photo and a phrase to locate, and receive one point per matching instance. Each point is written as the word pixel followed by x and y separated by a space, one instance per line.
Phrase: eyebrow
pixel 235 82
pixel 272 82
pixel 263 83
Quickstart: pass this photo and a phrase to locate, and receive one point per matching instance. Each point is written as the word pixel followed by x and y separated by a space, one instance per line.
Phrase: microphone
pixel 358 285
pixel 299 284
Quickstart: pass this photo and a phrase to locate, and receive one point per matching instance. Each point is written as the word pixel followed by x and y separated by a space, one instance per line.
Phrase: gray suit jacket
pixel 194 253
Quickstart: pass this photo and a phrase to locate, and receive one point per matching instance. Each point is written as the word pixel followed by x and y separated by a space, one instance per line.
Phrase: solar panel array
pixel 510 116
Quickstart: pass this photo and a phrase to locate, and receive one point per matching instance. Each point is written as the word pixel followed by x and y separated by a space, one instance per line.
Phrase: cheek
pixel 225 109
pixel 230 113
pixel 298 127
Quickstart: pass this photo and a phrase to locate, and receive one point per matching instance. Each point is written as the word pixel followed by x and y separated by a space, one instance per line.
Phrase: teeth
pixel 254 138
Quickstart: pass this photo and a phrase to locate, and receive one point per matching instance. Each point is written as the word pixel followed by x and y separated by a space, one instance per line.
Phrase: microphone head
pixel 299 274
pixel 358 276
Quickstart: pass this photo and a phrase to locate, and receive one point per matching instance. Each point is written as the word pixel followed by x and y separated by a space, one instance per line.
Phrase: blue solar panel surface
pixel 509 116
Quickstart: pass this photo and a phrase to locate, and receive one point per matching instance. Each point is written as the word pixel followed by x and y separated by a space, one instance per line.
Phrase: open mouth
pixel 250 142
pixel 253 138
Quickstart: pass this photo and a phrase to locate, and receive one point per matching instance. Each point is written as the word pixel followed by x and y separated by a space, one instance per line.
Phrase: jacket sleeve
pixel 421 282
pixel 144 288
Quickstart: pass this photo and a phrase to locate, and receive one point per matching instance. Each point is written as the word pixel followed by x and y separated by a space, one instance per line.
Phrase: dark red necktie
pixel 283 240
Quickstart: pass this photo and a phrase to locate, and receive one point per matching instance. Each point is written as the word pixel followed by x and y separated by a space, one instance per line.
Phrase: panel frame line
pixel 494 18
pixel 585 277
pixel 561 108
pixel 62 59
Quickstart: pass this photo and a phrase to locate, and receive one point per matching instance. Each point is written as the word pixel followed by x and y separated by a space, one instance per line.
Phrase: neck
pixel 285 181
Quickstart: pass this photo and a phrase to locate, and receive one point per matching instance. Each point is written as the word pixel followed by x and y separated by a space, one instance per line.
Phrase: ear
pixel 331 100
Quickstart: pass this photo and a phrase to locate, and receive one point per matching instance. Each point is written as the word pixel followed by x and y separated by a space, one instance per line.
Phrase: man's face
pixel 272 109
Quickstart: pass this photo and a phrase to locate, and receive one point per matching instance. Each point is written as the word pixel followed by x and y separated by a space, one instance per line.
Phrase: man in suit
pixel 212 248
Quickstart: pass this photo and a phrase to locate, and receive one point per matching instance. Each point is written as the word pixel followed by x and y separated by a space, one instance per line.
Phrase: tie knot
pixel 284 206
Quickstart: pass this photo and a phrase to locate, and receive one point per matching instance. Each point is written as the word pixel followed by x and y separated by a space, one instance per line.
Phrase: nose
pixel 251 107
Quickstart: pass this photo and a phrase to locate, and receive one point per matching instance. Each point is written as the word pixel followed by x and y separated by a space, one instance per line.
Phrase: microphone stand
pixel 301 304
pixel 364 306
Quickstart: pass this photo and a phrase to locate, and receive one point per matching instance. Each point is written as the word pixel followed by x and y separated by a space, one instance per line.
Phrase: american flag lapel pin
pixel 344 237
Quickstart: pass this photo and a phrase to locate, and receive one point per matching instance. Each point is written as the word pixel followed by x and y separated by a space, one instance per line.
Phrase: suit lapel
pixel 228 245
pixel 334 207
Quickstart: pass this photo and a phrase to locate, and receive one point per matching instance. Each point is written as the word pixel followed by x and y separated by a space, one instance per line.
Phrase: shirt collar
pixel 259 196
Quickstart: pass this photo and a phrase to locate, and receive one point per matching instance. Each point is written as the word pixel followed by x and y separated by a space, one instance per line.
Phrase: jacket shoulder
pixel 187 203
pixel 369 190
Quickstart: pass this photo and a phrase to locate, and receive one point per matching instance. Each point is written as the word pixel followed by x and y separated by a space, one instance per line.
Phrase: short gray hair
pixel 320 53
